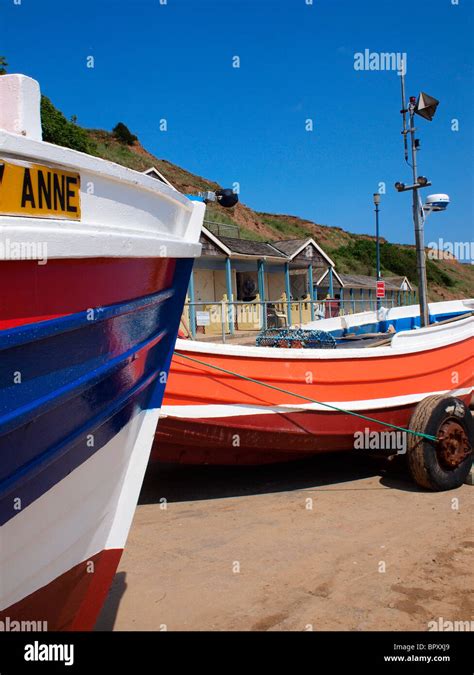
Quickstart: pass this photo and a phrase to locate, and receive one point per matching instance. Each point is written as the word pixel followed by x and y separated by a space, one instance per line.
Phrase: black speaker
pixel 226 198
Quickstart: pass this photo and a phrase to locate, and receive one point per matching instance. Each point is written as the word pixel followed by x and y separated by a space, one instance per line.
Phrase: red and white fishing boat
pixel 229 404
pixel 94 266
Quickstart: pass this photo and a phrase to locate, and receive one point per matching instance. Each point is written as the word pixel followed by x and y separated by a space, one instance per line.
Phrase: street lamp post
pixel 377 244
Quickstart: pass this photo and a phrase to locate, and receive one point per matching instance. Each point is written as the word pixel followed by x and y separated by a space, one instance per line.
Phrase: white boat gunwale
pixel 404 342
pixel 130 229
pixel 124 213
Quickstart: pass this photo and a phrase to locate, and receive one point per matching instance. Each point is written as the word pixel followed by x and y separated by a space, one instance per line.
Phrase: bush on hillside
pixel 123 134
pixel 396 260
pixel 57 129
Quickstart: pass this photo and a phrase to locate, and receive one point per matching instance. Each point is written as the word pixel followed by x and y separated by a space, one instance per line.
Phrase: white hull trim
pixel 426 339
pixel 213 411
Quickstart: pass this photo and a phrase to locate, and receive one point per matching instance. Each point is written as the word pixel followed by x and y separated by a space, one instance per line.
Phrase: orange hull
pixel 205 410
pixel 347 379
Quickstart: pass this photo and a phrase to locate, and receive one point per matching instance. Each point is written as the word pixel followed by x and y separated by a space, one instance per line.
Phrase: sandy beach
pixel 338 542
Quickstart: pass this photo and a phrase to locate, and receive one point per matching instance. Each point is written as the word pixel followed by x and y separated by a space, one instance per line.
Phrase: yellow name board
pixel 39 191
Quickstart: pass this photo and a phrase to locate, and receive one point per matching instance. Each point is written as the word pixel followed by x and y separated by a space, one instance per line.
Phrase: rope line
pixel 306 398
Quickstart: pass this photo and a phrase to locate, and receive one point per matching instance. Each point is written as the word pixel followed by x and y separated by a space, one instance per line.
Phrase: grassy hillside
pixel 352 253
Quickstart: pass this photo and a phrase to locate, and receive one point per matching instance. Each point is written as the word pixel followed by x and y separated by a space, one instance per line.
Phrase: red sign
pixel 380 289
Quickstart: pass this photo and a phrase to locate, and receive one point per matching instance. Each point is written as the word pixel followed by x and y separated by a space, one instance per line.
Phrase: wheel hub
pixel 453 444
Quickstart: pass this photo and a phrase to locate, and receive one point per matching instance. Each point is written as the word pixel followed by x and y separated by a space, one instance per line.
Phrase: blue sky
pixel 247 124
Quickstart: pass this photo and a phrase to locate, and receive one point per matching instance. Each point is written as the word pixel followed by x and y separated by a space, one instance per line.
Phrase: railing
pixel 223 229
pixel 228 318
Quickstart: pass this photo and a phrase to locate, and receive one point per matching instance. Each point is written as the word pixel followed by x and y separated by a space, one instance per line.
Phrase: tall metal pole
pixel 404 112
pixel 418 220
pixel 418 216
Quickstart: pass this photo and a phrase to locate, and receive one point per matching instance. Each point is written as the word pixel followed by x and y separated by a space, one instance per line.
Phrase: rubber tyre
pixel 423 462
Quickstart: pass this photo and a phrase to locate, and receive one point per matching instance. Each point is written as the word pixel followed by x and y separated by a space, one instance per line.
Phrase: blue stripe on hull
pixel 400 324
pixel 80 377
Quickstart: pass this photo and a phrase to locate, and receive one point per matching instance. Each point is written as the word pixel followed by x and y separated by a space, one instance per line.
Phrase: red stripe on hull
pixel 32 292
pixel 266 438
pixel 73 600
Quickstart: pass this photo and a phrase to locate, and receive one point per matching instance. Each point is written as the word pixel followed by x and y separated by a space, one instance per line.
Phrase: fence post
pixel 311 290
pixel 223 315
pixel 261 288
pixel 288 292
pixel 192 309
pixel 228 278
